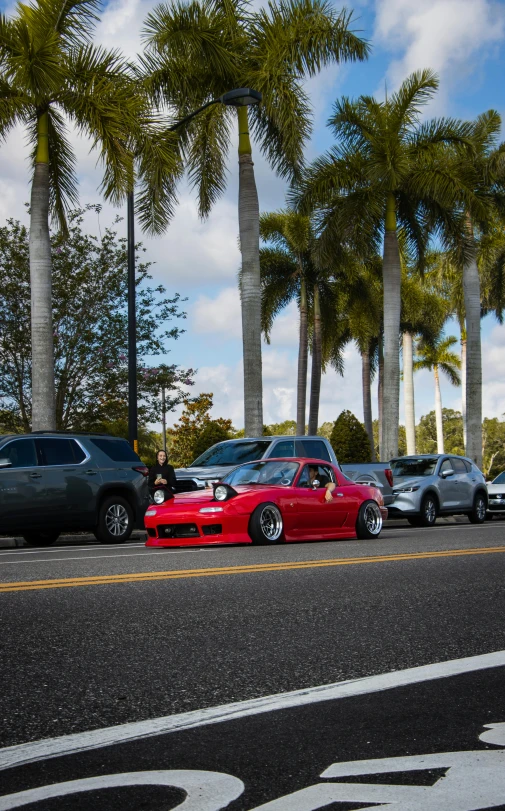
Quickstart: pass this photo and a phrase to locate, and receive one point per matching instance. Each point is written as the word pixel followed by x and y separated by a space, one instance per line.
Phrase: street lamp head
pixel 241 97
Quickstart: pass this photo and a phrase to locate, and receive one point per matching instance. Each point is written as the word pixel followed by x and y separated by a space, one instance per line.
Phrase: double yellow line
pixel 179 574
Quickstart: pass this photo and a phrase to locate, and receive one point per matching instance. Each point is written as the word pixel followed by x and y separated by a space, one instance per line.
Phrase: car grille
pixel 213 529
pixel 178 531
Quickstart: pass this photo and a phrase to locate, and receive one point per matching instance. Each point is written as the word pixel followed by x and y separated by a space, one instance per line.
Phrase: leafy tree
pixel 286 428
pixel 50 73
pixel 436 356
pixel 195 429
pixel 426 432
pixel 350 440
pixel 493 447
pixel 89 312
pixel 199 50
pixel 387 175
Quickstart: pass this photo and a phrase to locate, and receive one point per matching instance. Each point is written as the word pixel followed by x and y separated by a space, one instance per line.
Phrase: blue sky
pixel 463 40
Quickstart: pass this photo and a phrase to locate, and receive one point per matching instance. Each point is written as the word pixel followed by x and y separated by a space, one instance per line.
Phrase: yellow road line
pixel 176 574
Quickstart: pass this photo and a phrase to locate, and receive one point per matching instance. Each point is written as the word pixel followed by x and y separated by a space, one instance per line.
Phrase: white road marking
pixel 91 546
pixel 97 738
pixel 100 557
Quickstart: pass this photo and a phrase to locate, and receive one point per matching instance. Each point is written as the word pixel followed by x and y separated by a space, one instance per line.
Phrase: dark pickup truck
pixel 218 460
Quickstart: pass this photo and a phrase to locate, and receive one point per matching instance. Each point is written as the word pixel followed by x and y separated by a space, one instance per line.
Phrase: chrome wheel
pixel 271 523
pixel 116 520
pixel 373 518
pixel 430 511
pixel 480 509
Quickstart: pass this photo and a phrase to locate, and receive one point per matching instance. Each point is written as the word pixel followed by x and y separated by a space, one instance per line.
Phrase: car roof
pixel 276 436
pixel 431 456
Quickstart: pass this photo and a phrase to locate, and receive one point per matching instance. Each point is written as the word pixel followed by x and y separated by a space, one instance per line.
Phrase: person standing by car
pixel 162 474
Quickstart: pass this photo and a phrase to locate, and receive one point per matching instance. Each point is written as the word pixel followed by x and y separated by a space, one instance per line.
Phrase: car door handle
pixel 341 495
pixel 36 475
pixel 91 472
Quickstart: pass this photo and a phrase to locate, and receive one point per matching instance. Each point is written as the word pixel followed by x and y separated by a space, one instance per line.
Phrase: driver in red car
pixel 319 481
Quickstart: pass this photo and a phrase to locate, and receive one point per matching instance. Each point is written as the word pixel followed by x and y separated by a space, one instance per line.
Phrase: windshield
pixel 499 479
pixel 275 472
pixel 414 467
pixel 232 453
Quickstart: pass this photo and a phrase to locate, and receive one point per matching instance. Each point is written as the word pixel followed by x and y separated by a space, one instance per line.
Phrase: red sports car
pixel 268 502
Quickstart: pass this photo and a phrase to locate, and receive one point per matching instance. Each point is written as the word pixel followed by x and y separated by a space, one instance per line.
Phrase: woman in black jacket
pixel 162 474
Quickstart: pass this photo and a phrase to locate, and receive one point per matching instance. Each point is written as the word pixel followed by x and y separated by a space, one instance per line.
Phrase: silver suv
pixel 437 484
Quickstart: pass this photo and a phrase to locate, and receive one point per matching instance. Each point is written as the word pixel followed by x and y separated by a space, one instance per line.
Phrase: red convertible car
pixel 267 502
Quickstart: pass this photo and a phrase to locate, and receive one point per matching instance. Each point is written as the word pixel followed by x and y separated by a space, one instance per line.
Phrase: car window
pixel 263 472
pixel 312 449
pixel 233 453
pixel 446 465
pixel 118 450
pixel 323 475
pixel 20 452
pixel 411 466
pixel 283 449
pixel 79 455
pixel 458 465
pixel 56 451
pixel 500 479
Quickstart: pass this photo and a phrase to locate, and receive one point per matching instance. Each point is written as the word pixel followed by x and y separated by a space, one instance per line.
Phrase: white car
pixel 496 500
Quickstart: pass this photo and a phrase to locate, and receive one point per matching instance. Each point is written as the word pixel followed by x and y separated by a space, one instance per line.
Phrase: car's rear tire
pixel 429 511
pixel 115 520
pixel 266 525
pixel 369 521
pixel 478 513
pixel 42 537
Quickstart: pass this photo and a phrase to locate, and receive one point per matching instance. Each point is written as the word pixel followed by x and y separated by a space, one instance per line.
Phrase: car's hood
pixel 198 497
pixel 216 472
pixel 496 488
pixel 405 481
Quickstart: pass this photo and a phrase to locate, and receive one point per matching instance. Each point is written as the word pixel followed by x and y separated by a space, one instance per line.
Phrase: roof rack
pixel 78 433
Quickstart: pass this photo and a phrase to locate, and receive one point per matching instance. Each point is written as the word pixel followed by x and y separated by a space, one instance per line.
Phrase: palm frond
pixel 207 155
pixel 405 106
pixel 159 169
pixel 73 20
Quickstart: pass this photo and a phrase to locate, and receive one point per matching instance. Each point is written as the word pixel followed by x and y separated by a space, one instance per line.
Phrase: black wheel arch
pixel 435 495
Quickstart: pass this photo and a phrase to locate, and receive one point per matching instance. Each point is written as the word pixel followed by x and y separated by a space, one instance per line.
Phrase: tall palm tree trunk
pixel 408 392
pixel 463 381
pixel 438 412
pixel 43 397
pixel 380 391
pixel 315 382
pixel 301 395
pixel 391 273
pixel 250 291
pixel 471 289
pixel 367 397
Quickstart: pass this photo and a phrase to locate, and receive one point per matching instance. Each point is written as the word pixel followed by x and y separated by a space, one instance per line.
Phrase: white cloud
pixel 219 315
pixel 449 36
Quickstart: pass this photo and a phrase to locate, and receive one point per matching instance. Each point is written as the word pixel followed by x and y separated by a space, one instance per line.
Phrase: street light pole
pixel 241 97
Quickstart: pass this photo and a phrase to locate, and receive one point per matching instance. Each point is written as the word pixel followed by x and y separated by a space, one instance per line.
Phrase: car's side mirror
pixel 446 473
pixel 5 463
pixel 315 484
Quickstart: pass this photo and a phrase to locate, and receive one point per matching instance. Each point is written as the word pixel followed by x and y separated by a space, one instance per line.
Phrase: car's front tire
pixel 115 520
pixel 478 514
pixel 42 538
pixel 369 521
pixel 266 525
pixel 429 511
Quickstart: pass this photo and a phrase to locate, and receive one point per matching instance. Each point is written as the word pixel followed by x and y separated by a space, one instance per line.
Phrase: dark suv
pixel 56 481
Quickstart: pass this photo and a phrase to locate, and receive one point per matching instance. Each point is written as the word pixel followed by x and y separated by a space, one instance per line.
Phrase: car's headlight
pixel 159 496
pixel 221 492
pixel 406 490
pixel 211 510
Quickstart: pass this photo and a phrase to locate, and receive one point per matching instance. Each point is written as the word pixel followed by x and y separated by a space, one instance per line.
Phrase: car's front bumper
pixel 495 505
pixel 405 504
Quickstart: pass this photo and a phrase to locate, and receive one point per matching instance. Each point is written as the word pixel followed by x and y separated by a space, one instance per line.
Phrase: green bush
pixel 350 440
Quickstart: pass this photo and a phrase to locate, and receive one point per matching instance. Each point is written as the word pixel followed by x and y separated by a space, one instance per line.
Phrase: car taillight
pixel 389 475
pixel 142 469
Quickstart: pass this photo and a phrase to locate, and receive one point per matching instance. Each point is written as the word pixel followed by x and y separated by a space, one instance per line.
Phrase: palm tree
pixel 49 73
pixel 383 178
pixel 289 272
pixel 437 357
pixel 199 50
pixel 286 270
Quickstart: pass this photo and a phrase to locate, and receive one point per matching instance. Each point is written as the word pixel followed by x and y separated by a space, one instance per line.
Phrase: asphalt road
pixel 154 633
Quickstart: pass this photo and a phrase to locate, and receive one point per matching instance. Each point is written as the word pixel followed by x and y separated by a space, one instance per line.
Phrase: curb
pixel 71 540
